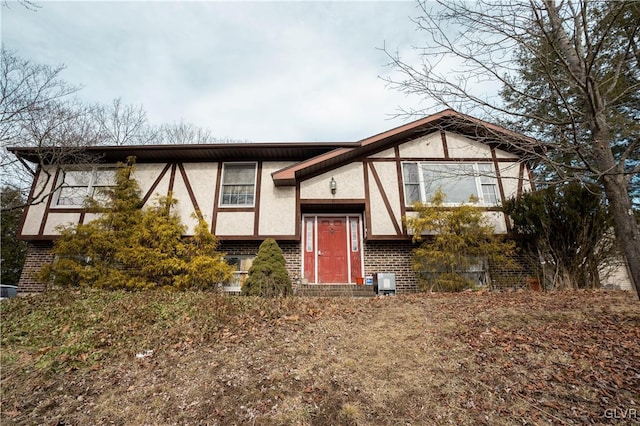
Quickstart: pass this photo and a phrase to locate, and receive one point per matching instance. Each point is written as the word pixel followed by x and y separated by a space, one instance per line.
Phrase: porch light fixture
pixel 333 186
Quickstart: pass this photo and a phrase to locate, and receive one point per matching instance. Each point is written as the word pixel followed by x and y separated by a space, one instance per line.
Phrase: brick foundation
pixel 379 256
pixel 290 250
pixel 395 257
pixel 526 273
pixel 38 254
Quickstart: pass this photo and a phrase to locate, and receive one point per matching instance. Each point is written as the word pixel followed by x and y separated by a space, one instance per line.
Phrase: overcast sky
pixel 260 71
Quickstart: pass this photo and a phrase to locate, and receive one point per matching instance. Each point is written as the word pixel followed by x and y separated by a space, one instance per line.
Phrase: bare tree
pixel 122 124
pixel 37 110
pixel 187 133
pixel 27 4
pixel 570 77
pixel 25 88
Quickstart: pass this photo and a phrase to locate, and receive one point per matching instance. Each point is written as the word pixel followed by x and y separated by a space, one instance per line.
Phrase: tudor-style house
pixel 335 209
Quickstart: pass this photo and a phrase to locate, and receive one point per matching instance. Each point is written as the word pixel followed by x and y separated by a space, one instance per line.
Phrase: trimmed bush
pixel 268 276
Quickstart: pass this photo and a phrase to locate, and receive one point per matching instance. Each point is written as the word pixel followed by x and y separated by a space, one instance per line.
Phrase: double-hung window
pixel 238 184
pixel 458 181
pixel 79 185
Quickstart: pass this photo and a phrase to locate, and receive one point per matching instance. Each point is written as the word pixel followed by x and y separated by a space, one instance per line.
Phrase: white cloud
pixel 258 71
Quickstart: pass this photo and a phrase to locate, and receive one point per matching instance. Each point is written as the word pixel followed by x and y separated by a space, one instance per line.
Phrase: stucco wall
pixel 349 180
pixel 426 146
pixel 35 212
pixel 277 204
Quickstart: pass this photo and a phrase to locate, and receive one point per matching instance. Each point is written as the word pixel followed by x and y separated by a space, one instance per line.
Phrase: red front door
pixel 332 250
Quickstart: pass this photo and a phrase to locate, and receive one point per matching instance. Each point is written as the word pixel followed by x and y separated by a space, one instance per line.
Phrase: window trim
pixel 90 187
pixel 477 178
pixel 222 184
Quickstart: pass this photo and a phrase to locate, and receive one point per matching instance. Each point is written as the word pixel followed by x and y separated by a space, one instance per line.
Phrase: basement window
pixel 240 265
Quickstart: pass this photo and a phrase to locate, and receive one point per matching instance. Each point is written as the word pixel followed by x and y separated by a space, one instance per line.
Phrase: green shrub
pixel 268 274
pixel 448 282
pixel 454 242
pixel 134 248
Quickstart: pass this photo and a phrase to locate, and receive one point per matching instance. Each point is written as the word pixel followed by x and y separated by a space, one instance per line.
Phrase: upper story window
pixel 458 181
pixel 79 185
pixel 238 184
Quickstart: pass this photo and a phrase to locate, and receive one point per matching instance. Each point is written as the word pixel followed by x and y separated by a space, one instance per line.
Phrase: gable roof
pixel 444 120
pixel 285 151
pixel 311 157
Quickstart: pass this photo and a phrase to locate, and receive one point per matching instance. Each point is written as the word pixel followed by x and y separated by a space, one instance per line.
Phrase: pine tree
pixel 268 275
pixel 569 227
pixel 452 242
pixel 13 250
pixel 134 248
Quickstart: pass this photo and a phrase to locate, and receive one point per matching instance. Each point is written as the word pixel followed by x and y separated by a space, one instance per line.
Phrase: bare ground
pixel 470 358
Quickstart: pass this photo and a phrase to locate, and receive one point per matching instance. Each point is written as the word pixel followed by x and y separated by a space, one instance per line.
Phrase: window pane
pixel 354 235
pixel 411 176
pixel 412 194
pixel 105 178
pixel 457 181
pixel 410 171
pixel 309 245
pixel 489 194
pixel 238 185
pixel 72 195
pixel 77 177
pixel 487 173
pixel 239 173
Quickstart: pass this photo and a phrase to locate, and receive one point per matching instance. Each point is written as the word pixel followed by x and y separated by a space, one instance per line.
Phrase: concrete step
pixel 334 290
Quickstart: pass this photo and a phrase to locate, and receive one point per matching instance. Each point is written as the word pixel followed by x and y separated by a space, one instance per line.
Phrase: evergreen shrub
pixel 268 275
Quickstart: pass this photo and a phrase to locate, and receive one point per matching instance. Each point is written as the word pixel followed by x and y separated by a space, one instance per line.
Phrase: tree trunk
pixel 624 222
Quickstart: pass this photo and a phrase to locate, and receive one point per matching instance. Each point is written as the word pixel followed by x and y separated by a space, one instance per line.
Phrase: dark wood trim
pixel 172 180
pixel 367 197
pixel 315 201
pixel 256 201
pixel 236 209
pixel 403 210
pixel 192 196
pixel 257 237
pixel 452 208
pixel 532 183
pixel 82 214
pixel 448 160
pixel 445 148
pixel 385 199
pixel 155 184
pixel 298 229
pixel 498 174
pixel 520 180
pixel 216 199
pixel 45 215
pixel 500 185
pixel 388 238
pixel 40 237
pixel 25 211
pixel 55 209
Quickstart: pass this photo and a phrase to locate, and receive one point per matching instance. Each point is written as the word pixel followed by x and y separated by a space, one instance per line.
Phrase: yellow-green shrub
pixel 133 248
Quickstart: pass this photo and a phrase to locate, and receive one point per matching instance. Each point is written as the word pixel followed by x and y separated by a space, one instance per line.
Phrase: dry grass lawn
pixel 162 358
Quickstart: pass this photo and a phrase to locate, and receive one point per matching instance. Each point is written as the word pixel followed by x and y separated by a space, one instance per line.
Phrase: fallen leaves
pixel 472 358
